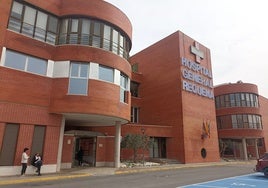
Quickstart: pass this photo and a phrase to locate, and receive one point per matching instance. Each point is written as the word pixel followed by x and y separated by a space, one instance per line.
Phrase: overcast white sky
pixel 235 31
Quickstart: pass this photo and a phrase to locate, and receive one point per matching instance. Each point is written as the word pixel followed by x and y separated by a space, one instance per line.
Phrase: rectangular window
pixel 38 140
pixel 239 118
pixel 106 37
pixel 85 32
pixel 74 32
pixel 226 101
pixel 34 23
pixel 25 63
pixel 36 65
pixel 106 74
pixel 8 149
pixel 232 100
pixel 78 83
pixel 115 42
pixel 123 87
pixel 245 121
pixel 52 29
pixel 28 21
pixel 63 31
pixel 96 40
pixel 250 121
pixel 121 46
pixel 15 17
pixel 134 89
pixel 247 99
pixel 15 60
pixel 243 100
pixel 134 115
pixel 238 99
pixel 41 24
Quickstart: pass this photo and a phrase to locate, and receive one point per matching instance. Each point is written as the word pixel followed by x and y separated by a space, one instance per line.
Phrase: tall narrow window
pixel 78 83
pixel 52 29
pixel 85 32
pixel 74 32
pixel 63 31
pixel 123 87
pixel 134 115
pixel 96 38
pixel 38 139
pixel 115 42
pixel 28 21
pixel 8 148
pixel 134 89
pixel 106 37
pixel 121 46
pixel 41 24
pixel 15 17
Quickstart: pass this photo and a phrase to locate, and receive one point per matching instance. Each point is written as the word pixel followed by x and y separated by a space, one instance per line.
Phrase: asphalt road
pixel 157 179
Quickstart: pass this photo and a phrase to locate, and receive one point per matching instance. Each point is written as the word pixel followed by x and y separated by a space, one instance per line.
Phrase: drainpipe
pixel 117 144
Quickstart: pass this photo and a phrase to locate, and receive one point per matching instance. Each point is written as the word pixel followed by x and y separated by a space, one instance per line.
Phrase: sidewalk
pixel 104 171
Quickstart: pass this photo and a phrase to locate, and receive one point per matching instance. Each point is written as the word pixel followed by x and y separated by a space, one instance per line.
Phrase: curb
pixel 40 179
pixel 174 167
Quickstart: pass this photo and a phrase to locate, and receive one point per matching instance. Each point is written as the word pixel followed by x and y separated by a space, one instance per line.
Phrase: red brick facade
pixel 175 102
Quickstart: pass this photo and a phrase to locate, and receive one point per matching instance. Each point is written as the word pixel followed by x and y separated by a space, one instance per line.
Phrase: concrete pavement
pixel 104 171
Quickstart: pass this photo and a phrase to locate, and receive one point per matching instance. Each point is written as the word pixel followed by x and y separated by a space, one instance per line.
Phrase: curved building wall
pixel 48 83
pixel 239 120
pixel 108 48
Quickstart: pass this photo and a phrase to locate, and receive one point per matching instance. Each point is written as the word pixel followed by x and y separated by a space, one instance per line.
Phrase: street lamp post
pixel 143 143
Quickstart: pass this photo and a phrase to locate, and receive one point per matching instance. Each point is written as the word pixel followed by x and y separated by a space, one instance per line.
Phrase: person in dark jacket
pixel 38 163
pixel 80 154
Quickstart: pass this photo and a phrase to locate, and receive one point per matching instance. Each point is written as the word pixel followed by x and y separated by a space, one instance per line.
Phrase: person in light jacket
pixel 24 161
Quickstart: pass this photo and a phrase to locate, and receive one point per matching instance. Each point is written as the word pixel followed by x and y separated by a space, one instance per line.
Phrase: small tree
pixel 135 142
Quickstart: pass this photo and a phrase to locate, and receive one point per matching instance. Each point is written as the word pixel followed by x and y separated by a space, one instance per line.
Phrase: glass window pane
pixel 14 24
pixel 85 33
pixel 96 35
pixel 74 27
pixel 74 70
pixel 78 86
pixel 96 28
pixel 84 71
pixel 29 15
pixel 115 42
pixel 16 10
pixel 85 26
pixel 51 38
pixel 41 20
pixel 15 60
pixel 36 65
pixel 123 81
pixel 52 24
pixel 63 31
pixel 106 37
pixel 106 74
pixel 28 21
pixel 41 23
